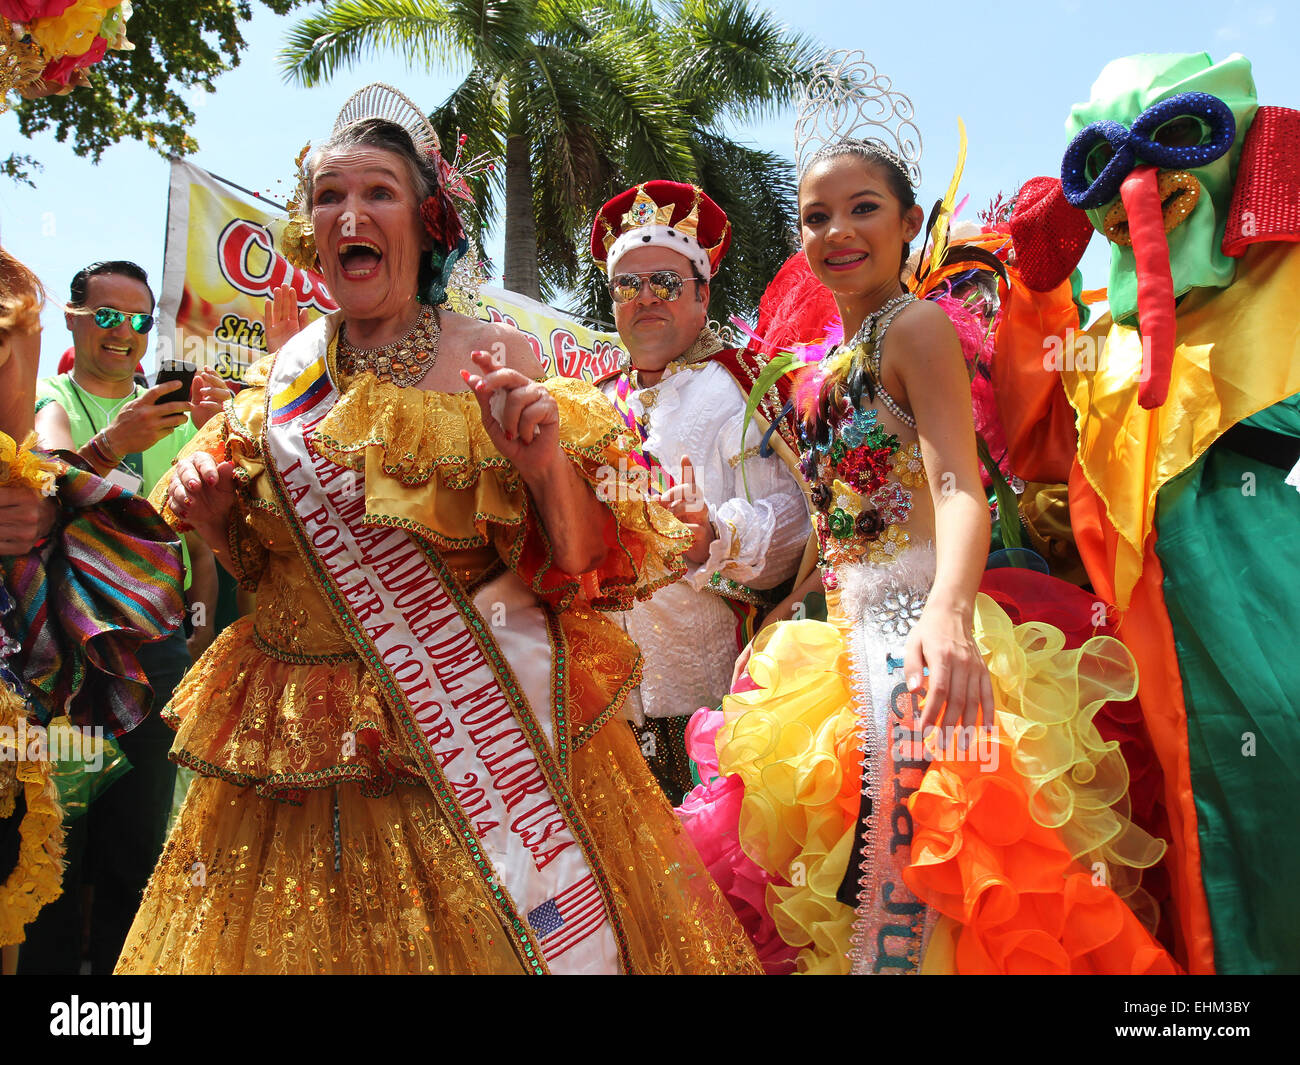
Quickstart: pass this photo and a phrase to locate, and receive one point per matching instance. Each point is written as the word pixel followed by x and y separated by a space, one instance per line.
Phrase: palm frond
pixel 757 190
pixel 732 58
pixel 422 31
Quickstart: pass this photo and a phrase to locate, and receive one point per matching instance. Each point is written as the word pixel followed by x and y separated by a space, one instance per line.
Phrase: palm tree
pixel 731 62
pixel 583 98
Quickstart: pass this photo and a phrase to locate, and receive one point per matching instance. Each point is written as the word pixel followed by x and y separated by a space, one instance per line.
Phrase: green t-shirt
pixel 89 414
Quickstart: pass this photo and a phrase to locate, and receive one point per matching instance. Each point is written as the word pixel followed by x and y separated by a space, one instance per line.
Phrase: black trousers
pixel 114 847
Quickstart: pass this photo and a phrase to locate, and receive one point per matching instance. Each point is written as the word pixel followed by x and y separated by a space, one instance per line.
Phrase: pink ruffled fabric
pixel 710 812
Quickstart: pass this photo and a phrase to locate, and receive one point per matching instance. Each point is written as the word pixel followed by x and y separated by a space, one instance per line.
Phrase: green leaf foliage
pixel 142 94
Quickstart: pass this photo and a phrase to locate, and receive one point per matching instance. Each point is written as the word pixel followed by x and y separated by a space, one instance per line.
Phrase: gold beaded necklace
pixel 405 361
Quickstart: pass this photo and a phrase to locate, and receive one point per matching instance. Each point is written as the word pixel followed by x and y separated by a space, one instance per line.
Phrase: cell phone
pixel 175 371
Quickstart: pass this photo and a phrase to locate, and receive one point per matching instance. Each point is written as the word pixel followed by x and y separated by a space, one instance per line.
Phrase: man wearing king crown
pixel 682 391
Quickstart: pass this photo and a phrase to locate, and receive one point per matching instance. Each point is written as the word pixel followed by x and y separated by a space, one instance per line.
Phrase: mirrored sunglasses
pixel 665 284
pixel 111 318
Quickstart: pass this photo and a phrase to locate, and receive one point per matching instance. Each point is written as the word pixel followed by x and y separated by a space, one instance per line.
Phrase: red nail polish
pixel 465 376
pixel 510 436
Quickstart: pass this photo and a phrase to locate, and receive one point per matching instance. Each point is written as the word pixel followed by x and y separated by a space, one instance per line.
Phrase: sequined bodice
pixel 862 482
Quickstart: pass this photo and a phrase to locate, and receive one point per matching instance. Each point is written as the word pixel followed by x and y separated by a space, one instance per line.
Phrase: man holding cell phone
pixel 130 435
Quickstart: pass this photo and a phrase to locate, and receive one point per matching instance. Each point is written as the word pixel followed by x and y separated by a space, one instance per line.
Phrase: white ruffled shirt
pixel 686 632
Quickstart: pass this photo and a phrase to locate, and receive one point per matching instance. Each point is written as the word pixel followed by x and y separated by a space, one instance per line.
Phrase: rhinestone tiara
pixel 847 98
pixel 383 101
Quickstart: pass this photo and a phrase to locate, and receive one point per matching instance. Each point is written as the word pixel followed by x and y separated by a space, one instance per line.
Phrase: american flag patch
pixel 566 920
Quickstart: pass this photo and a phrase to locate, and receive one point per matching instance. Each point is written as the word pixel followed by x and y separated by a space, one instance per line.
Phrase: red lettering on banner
pixel 483 729
pixel 418 612
pixel 533 840
pixel 573 360
pixel 370 541
pixel 460 787
pixel 387 566
pixel 605 359
pixel 427 715
pixel 482 696
pixel 345 571
pixel 495 315
pixel 332 553
pixel 415 578
pixel 353 591
pixel 487 696
pixel 234 247
pixel 542 861
pixel 427 632
pixel 517 790
pixel 394 650
pixel 473 799
pixel 406 672
pixel 566 352
pixel 351 505
pixel 525 825
pixel 371 608
pixel 327 473
pixel 377 632
pixel 309 426
pixel 491 764
pixel 413 595
pixel 451 654
pixel 393 571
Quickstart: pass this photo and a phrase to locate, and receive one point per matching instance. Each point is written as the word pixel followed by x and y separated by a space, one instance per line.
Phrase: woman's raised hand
pixel 201 494
pixel 519 414
pixel 282 318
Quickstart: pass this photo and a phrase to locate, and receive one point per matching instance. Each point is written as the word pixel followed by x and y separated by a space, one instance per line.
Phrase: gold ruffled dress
pixel 310 842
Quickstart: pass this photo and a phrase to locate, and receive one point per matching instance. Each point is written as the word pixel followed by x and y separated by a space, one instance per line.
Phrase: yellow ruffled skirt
pixel 249 883
pixel 1011 856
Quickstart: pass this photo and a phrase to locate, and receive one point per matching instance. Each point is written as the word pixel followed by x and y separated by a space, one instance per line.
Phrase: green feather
pixel 779 366
pixel 1008 510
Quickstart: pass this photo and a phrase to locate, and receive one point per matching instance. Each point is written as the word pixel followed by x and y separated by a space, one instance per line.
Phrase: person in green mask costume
pixel 1189 431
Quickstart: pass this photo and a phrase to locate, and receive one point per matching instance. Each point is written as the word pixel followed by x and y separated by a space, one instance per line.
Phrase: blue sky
pixel 1010 70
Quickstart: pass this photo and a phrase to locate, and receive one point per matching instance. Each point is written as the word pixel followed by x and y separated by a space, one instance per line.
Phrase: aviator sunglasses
pixel 111 318
pixel 665 284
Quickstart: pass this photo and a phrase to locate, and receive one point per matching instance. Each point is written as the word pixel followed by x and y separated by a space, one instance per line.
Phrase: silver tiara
pixel 383 101
pixel 848 99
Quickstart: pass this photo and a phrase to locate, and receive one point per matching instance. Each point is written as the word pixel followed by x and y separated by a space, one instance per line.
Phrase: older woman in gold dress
pixel 410 756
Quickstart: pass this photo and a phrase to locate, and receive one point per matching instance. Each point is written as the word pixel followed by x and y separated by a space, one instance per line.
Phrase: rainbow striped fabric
pixel 107 580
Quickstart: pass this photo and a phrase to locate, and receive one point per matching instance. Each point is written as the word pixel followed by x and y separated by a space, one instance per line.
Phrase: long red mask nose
pixel 1140 194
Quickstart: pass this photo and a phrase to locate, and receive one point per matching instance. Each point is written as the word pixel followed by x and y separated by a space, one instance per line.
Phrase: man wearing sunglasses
pixel 130 435
pixel 682 393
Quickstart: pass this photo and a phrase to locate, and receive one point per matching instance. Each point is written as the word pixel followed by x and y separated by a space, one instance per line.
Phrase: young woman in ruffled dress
pixel 916 785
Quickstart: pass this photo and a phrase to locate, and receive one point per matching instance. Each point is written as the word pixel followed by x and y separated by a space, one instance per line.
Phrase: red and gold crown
pixel 666 214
